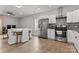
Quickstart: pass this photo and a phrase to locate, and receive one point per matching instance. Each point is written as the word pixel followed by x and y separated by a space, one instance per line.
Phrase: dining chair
pixel 11 37
pixel 25 35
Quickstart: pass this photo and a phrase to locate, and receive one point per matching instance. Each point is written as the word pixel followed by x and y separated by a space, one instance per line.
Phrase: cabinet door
pixel 76 40
pixel 69 17
pixel 73 37
pixel 70 36
pixel 52 19
pixel 76 16
pixel 51 33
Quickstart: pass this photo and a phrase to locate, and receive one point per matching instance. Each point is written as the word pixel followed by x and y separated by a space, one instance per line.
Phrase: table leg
pixel 16 39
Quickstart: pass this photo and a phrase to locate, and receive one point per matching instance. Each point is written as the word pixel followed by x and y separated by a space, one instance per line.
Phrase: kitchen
pixel 59 24
pixel 69 25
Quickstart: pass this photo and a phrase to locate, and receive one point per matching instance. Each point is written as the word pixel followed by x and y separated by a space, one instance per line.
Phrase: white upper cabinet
pixel 69 17
pixel 73 16
pixel 52 19
pixel 76 16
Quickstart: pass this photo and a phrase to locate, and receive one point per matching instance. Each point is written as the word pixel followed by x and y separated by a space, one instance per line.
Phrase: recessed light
pixel 18 6
pixel 38 8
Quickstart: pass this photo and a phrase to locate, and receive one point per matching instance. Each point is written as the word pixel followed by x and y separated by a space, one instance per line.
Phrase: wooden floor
pixel 37 45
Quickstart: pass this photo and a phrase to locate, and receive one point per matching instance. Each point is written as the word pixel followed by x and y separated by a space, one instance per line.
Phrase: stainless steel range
pixel 61 34
pixel 61 29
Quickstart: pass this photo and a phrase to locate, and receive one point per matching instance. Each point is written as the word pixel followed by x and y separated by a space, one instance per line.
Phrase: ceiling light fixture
pixel 18 6
pixel 8 14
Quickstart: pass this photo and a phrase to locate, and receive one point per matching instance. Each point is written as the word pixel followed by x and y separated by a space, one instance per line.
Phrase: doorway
pixel 1 24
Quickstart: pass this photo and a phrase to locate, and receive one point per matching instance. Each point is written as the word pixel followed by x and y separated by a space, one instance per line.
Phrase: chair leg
pixel 3 36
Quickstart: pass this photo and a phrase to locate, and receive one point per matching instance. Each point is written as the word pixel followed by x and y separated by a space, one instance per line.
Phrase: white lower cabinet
pixel 70 36
pixel 76 41
pixel 51 34
pixel 73 37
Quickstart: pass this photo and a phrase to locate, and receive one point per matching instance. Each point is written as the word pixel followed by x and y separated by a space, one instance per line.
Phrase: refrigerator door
pixel 43 25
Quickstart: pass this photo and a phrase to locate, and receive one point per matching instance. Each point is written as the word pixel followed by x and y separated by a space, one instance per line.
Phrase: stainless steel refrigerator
pixel 43 26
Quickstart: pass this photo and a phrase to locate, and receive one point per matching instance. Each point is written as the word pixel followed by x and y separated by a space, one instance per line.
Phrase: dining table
pixel 17 32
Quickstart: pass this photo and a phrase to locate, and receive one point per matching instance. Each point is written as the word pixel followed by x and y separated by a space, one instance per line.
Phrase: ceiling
pixel 27 10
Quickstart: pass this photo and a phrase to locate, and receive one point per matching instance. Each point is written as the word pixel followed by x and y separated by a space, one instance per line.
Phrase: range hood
pixel 60 13
pixel 60 19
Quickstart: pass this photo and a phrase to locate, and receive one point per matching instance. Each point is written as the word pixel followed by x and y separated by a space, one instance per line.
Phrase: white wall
pixel 29 21
pixel 8 20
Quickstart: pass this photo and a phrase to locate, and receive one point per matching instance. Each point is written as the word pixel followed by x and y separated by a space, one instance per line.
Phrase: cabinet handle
pixel 75 37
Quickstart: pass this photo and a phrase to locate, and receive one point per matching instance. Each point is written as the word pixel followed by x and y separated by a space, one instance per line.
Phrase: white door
pixel 0 24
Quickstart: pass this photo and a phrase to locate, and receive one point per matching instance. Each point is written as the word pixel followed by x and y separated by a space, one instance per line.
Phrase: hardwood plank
pixel 37 45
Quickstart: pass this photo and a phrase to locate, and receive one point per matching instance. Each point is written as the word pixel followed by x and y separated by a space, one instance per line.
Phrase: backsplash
pixel 73 26
pixel 52 25
pixel 70 26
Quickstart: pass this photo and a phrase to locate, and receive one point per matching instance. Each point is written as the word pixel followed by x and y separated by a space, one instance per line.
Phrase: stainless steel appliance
pixel 43 26
pixel 61 34
pixel 61 26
